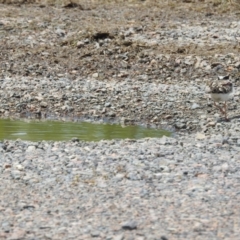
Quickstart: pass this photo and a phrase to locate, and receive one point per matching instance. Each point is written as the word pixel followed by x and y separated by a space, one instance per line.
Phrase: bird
pixel 221 90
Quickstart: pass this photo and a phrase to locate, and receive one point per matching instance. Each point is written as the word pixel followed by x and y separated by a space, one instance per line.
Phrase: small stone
pixel 164 169
pixel 216 115
pixel 203 117
pixel 225 140
pixel 111 114
pixel 95 75
pixel 16 174
pixel 180 125
pixel 119 176
pixel 75 139
pixel 108 104
pixel 129 225
pixel 168 117
pixel 95 234
pixel 200 136
pixel 122 75
pixel 225 167
pixel 44 104
pixel 60 32
pixel 80 44
pixel 163 238
pixel 211 124
pixel 195 106
pixel 31 149
pixel 19 167
pixel 118 237
pixel 163 140
pixel 126 121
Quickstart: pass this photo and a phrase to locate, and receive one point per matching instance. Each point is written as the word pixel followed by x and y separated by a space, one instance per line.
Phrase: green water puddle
pixel 63 131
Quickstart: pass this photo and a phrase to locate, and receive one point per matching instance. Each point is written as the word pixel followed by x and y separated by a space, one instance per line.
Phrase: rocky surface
pixel 149 68
pixel 168 188
pixel 138 62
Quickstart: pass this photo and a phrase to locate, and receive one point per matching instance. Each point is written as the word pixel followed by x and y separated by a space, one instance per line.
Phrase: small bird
pixel 221 91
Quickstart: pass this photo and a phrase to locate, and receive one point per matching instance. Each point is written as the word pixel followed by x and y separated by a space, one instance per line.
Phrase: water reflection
pixel 58 131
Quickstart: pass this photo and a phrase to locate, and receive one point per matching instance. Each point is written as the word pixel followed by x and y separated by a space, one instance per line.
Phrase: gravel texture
pixel 138 62
pixel 168 188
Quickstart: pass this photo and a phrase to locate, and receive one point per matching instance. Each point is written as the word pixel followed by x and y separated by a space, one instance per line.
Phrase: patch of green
pixel 61 131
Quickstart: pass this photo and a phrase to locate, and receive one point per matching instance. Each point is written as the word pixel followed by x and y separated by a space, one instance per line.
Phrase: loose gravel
pixel 168 188
pixel 146 66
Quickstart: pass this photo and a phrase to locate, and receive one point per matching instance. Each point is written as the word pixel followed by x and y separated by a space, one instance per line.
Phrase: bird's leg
pixel 225 110
pixel 221 110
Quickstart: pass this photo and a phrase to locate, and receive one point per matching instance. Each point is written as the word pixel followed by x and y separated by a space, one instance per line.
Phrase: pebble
pixel 129 225
pixel 80 44
pixel 195 106
pixel 95 75
pixel 30 149
pixel 200 136
pixel 118 237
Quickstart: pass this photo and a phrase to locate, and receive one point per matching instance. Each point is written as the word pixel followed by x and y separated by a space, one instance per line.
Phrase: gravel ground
pixel 140 62
pixel 168 188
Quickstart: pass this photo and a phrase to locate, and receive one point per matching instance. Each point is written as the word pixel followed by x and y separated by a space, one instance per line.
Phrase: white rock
pixel 95 75
pixel 31 149
pixel 225 167
pixel 19 167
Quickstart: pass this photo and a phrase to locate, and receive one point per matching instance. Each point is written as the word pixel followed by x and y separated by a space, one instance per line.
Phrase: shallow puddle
pixel 59 131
